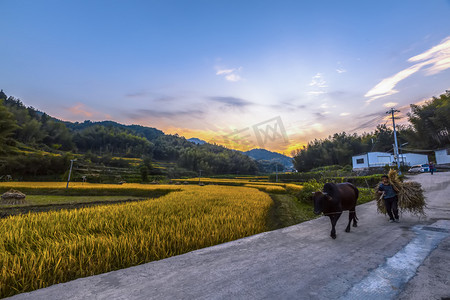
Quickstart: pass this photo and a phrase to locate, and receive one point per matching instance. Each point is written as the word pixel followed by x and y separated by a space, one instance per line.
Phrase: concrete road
pixel 376 260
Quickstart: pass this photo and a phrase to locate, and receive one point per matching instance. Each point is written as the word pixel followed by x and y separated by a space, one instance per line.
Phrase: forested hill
pixel 270 160
pixel 36 144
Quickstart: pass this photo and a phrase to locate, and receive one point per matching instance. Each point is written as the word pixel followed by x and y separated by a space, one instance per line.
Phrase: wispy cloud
pixel 136 94
pixel 318 85
pixel 390 104
pixel 317 92
pixel 344 114
pixel 231 75
pixel 340 69
pixel 145 113
pixel 318 81
pixel 225 71
pixel 231 101
pixel 81 110
pixel 437 59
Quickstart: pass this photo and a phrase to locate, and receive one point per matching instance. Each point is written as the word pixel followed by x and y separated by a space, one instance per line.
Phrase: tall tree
pixel 431 122
pixel 7 127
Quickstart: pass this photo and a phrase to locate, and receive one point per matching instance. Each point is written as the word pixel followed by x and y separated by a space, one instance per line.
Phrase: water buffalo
pixel 334 199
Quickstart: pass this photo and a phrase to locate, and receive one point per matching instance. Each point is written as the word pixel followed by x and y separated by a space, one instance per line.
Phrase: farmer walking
pixel 390 198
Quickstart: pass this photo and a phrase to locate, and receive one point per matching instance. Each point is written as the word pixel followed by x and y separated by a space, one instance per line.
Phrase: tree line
pixel 428 129
pixel 24 131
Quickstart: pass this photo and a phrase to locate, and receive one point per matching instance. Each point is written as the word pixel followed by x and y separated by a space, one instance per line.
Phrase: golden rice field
pixel 239 181
pixel 79 188
pixel 85 185
pixel 38 250
pixel 268 188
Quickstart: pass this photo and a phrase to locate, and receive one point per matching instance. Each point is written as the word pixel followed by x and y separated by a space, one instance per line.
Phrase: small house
pixel 412 159
pixel 442 156
pixel 371 159
pixel 380 159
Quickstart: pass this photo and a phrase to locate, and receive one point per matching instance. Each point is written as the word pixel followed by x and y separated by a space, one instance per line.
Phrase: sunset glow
pixel 251 74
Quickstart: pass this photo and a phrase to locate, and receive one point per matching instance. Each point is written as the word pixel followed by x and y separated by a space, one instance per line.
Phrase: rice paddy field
pixel 156 222
pixel 41 249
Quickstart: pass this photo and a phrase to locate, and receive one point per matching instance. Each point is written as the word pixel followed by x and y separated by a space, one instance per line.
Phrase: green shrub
pixel 364 181
pixel 365 195
pixel 305 195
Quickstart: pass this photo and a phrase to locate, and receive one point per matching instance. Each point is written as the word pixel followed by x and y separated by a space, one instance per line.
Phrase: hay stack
pixel 13 197
pixel 410 196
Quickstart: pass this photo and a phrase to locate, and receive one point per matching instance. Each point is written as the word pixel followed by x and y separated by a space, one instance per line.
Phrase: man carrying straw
pixel 397 195
pixel 390 198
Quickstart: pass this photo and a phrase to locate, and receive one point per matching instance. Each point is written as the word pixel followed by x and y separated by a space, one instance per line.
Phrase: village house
pixel 380 159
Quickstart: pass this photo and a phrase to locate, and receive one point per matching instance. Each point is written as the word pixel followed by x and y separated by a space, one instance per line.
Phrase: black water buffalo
pixel 334 199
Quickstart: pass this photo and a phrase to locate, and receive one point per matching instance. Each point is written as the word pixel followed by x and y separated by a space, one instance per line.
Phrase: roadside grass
pixel 287 210
pixel 365 195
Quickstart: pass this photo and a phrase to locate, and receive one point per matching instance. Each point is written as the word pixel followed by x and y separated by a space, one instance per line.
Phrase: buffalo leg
pixel 350 217
pixel 333 219
pixel 355 218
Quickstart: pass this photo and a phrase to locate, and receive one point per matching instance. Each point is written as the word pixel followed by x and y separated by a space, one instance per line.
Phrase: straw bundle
pixel 395 181
pixel 12 197
pixel 410 196
pixel 380 203
pixel 412 199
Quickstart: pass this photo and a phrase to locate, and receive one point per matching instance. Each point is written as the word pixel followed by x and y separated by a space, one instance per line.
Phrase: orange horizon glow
pixel 219 139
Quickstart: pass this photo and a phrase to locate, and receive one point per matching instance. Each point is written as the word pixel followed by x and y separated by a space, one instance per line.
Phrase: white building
pixel 380 159
pixel 442 156
pixel 371 159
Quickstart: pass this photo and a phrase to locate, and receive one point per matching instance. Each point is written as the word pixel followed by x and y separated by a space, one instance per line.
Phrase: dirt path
pixel 376 260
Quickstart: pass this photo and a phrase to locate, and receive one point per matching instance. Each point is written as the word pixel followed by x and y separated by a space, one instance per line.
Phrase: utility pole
pixel 392 111
pixel 70 172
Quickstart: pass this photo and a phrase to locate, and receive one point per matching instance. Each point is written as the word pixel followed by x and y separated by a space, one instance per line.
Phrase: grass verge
pixel 287 210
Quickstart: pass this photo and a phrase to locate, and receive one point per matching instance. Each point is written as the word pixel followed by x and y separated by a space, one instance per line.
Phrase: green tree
pixel 144 173
pixel 430 123
pixel 7 127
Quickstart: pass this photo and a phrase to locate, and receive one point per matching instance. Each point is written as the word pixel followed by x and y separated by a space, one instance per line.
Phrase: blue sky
pixel 216 69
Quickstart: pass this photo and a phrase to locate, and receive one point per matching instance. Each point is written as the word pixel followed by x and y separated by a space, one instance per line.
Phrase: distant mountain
pixel 261 155
pixel 197 141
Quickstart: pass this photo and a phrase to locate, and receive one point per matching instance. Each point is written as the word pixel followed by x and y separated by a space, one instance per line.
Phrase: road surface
pixel 376 260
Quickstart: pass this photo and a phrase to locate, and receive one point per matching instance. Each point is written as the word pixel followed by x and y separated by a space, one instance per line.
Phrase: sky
pixel 244 74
